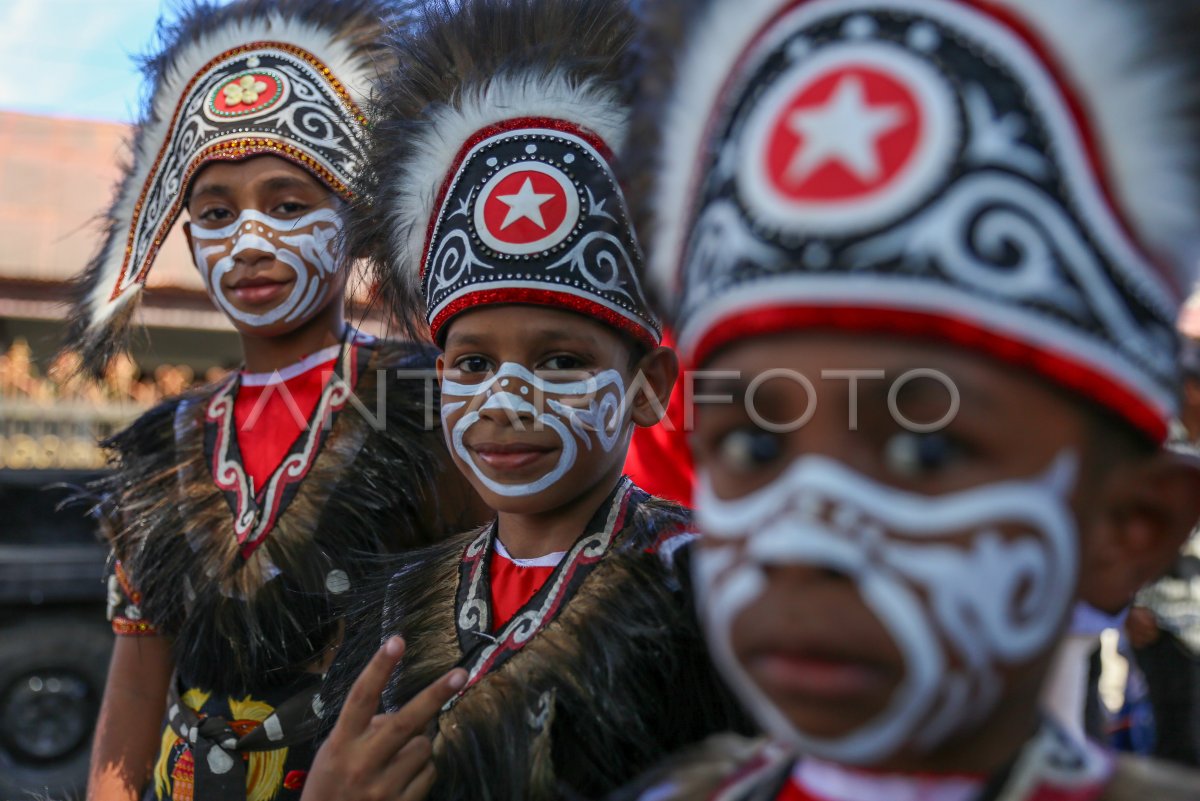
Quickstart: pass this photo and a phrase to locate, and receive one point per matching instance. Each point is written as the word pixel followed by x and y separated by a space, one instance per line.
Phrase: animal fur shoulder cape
pixel 599 676
pixel 248 585
pixel 1051 766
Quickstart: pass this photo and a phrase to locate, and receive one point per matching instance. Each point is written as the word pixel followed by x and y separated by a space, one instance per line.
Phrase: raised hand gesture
pixel 373 757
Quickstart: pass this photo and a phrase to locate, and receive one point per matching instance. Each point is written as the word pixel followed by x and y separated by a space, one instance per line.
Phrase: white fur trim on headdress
pixel 1135 105
pixel 716 42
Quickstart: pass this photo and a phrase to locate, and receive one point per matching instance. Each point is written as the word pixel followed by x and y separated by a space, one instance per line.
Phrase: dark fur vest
pixel 244 620
pixel 599 676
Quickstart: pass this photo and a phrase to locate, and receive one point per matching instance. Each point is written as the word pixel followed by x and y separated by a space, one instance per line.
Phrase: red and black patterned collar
pixel 255 513
pixel 1053 766
pixel 483 651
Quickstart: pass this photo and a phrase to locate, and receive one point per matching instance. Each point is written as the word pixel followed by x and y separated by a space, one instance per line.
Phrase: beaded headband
pixel 926 167
pixel 261 84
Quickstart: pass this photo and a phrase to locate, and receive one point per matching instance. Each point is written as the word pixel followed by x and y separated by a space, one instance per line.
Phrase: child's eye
pixel 563 362
pixel 912 455
pixel 473 364
pixel 749 448
pixel 215 214
pixel 288 208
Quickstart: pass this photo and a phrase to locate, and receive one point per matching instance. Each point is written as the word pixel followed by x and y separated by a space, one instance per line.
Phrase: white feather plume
pixel 717 40
pixel 1138 106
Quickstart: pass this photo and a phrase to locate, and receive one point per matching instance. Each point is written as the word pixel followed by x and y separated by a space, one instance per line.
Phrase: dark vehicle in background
pixel 54 640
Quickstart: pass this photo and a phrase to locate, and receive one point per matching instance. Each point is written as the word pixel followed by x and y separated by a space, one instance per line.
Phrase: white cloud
pixel 74 57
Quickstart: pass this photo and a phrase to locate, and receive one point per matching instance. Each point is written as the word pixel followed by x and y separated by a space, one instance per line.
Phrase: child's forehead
pixel 866 364
pixel 522 325
pixel 257 172
pixel 834 349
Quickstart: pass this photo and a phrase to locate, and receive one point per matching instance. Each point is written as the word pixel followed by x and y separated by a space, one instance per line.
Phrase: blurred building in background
pixel 56 176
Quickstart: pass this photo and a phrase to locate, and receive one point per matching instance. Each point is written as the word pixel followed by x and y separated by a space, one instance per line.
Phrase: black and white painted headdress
pixel 1017 176
pixel 281 77
pixel 494 162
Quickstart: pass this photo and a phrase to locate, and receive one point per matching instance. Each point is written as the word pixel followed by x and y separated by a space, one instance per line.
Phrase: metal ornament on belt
pixel 536 210
pixel 219 752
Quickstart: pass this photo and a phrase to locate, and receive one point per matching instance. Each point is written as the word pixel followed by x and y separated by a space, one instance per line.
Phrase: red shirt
pixel 817 780
pixel 660 459
pixel 793 792
pixel 515 581
pixel 272 410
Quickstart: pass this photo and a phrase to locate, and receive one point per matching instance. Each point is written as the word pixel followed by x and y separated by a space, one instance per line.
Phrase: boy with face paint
pixel 927 256
pixel 241 513
pixel 577 661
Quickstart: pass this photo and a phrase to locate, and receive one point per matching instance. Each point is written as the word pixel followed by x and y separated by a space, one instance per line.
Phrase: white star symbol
pixel 845 129
pixel 525 204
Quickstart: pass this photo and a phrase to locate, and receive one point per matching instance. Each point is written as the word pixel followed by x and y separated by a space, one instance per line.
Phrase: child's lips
pixel 509 456
pixel 259 291
pixel 821 675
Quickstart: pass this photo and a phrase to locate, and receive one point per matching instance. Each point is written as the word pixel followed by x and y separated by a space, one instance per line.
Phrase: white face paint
pixel 303 244
pixel 591 408
pixel 989 571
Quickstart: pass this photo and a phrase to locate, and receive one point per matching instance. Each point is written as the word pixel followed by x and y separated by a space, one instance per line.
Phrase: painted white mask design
pixel 303 244
pixel 589 408
pixel 999 599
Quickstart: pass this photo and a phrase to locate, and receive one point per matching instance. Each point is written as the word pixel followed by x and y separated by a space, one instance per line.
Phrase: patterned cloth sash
pixel 220 769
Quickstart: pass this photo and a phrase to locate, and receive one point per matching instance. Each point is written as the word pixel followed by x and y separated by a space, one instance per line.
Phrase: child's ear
pixel 653 379
pixel 1148 510
pixel 440 366
pixel 187 234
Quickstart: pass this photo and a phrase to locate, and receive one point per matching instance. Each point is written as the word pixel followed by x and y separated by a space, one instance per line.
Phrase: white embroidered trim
pixel 834 782
pixel 292 370
pixel 546 560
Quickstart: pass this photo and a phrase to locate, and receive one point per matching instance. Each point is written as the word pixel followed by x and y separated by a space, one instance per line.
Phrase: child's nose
pixel 505 407
pixel 249 254
pixel 513 386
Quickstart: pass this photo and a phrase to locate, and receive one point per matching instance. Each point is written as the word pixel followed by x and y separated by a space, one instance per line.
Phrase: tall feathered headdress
pixel 1020 177
pixel 493 163
pixel 287 78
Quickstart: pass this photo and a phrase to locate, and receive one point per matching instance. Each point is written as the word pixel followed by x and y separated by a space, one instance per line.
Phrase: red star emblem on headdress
pixel 845 134
pixel 847 138
pixel 526 208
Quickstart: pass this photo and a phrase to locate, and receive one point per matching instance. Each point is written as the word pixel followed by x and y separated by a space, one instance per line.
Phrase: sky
pixel 72 58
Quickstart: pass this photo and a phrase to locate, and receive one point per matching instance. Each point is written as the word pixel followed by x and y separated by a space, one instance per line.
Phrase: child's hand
pixel 371 757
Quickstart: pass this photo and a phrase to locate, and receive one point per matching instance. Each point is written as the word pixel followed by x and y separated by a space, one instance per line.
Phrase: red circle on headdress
pixel 238 102
pixel 845 134
pixel 526 206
